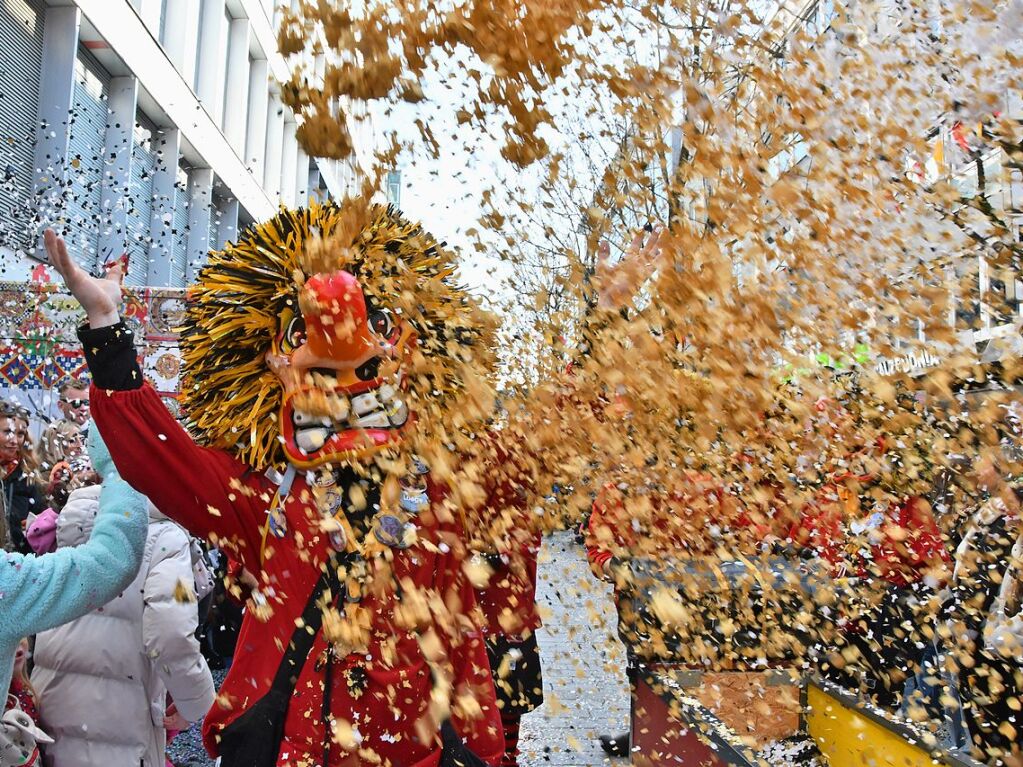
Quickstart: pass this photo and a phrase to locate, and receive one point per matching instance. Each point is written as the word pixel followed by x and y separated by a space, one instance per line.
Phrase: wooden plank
pixel 759 706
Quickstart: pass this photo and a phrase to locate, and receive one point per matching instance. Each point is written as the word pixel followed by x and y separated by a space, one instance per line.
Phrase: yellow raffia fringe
pixel 233 313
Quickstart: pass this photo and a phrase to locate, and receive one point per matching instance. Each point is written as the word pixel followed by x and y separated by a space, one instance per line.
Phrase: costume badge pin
pixel 332 500
pixel 324 479
pixel 414 499
pixel 278 523
pixel 338 539
pixel 393 531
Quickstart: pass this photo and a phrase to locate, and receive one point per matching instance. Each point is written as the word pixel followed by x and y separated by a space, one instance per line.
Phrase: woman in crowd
pixel 38 593
pixel 19 493
pixel 103 679
pixel 61 442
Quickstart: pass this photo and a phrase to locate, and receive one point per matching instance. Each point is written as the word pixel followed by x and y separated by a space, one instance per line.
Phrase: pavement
pixel 585 690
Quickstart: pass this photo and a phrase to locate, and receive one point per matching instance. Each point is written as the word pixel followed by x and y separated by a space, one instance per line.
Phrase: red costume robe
pixel 217 497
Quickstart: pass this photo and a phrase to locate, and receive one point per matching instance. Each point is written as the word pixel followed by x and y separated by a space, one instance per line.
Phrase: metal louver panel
pixel 179 251
pixel 214 243
pixel 86 164
pixel 140 201
pixel 21 30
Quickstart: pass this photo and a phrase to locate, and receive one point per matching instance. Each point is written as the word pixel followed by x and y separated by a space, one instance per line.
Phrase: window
pixel 225 56
pixel 86 163
pixel 140 200
pixel 394 187
pixel 968 303
pixel 21 30
pixel 163 22
pixel 179 249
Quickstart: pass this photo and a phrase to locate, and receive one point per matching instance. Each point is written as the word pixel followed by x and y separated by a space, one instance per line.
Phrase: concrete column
pixel 227 225
pixel 149 10
pixel 289 162
pixel 181 38
pixel 200 196
pixel 56 93
pixel 161 228
pixel 113 235
pixel 274 153
pixel 210 81
pixel 301 179
pixel 255 131
pixel 236 111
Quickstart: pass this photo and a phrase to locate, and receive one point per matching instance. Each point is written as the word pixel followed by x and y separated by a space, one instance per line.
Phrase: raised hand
pixel 618 283
pixel 100 297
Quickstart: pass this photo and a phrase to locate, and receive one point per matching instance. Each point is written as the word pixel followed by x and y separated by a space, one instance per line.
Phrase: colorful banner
pixel 39 348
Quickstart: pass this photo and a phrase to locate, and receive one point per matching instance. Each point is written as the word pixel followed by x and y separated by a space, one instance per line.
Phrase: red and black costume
pixel 380 694
pixel 508 599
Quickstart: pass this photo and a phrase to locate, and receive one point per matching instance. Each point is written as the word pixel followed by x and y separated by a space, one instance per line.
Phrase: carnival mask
pixel 342 364
pixel 313 338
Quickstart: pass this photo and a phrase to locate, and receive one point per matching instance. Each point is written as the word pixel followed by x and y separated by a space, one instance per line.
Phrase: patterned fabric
pixel 39 349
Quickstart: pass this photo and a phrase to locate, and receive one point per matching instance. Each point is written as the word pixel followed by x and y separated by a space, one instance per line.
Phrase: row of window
pixel 89 171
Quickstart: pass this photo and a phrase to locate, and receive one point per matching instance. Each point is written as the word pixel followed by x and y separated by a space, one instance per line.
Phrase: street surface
pixel 583 663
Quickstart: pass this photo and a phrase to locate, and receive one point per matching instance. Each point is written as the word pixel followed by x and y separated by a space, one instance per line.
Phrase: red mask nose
pixel 334 308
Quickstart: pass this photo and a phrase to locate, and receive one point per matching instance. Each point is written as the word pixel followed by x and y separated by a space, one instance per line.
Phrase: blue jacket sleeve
pixel 38 593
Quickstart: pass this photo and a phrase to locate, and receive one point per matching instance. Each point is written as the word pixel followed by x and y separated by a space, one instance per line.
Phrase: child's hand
pixel 172 720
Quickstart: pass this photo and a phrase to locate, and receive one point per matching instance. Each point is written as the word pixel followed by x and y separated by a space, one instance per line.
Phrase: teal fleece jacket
pixel 39 593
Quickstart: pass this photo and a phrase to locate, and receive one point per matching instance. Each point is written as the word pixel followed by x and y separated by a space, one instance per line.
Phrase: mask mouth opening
pixel 317 415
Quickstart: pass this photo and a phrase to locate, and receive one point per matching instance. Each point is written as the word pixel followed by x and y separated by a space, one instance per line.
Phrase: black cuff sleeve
pixel 111 356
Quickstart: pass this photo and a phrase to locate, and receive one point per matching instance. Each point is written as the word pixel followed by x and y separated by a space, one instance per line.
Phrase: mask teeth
pixel 339 407
pixel 324 382
pixel 364 404
pixel 311 440
pixel 314 402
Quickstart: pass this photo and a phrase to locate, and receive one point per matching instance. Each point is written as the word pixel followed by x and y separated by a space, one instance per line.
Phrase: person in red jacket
pixel 896 553
pixel 689 517
pixel 303 356
pixel 506 542
pixel 906 560
pixel 692 516
pixel 511 618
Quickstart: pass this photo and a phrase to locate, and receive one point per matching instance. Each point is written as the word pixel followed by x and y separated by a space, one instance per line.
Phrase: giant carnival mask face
pixel 314 338
pixel 342 364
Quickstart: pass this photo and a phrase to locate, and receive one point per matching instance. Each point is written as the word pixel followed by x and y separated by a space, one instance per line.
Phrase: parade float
pixel 721 681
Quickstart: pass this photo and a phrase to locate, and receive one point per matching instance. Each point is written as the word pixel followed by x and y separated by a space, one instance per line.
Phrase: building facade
pixel 152 128
pixel 147 127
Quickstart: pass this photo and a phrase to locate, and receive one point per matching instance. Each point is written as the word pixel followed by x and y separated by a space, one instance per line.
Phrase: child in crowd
pixel 22 696
pixel 38 593
pixel 63 442
pixel 65 478
pixel 128 654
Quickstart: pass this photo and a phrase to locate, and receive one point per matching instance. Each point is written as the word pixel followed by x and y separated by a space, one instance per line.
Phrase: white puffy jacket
pixel 103 679
pixel 1004 630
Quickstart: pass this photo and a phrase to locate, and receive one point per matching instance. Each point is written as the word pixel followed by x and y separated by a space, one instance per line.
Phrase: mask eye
pixel 381 322
pixel 294 334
